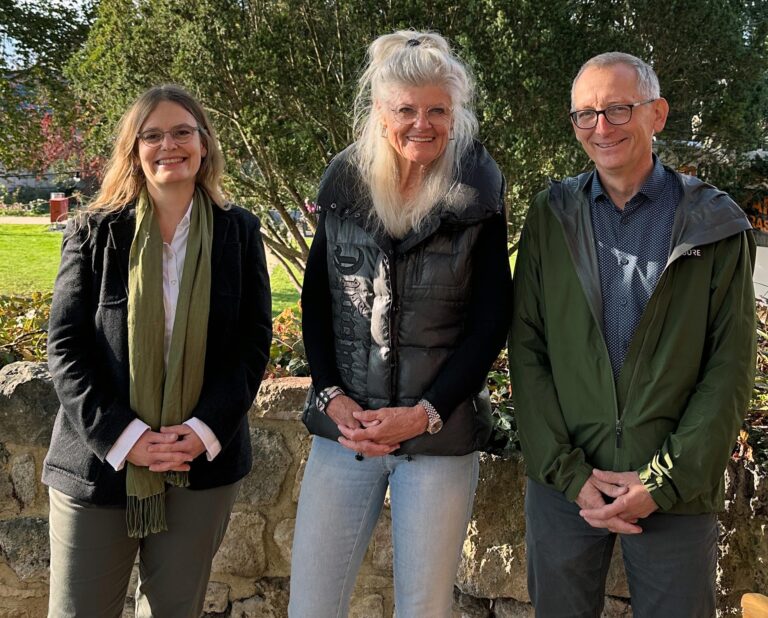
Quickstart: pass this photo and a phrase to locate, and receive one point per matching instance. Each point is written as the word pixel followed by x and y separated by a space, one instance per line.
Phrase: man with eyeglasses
pixel 632 355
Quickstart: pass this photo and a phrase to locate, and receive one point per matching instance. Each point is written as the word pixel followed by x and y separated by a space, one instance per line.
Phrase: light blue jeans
pixel 340 502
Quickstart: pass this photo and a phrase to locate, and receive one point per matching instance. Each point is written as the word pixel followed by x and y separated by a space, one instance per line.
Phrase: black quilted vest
pixel 400 307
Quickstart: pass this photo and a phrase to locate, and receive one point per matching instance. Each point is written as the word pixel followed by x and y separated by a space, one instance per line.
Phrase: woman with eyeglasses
pixel 406 304
pixel 159 335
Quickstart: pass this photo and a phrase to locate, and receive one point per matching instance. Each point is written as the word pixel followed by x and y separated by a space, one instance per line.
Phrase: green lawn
pixel 283 293
pixel 29 259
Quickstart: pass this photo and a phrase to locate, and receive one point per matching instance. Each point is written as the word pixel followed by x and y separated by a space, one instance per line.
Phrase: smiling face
pixel 170 163
pixel 622 151
pixel 417 122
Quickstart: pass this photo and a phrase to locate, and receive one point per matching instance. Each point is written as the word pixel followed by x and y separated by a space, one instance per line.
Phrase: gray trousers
pixel 92 556
pixel 670 566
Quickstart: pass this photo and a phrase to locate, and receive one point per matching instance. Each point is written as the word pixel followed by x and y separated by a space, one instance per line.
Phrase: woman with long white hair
pixel 406 305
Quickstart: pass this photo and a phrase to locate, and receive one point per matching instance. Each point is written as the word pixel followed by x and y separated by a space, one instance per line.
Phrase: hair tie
pixel 413 43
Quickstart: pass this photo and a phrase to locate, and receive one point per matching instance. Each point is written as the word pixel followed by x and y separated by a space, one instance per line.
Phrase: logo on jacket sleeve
pixel 347 264
pixel 692 253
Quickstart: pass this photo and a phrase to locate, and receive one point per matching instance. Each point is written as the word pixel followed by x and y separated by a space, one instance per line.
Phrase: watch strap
pixel 434 422
pixel 324 397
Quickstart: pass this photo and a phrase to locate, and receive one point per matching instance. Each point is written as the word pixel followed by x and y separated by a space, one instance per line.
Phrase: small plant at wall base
pixel 24 327
pixel 286 354
pixel 752 443
pixel 504 438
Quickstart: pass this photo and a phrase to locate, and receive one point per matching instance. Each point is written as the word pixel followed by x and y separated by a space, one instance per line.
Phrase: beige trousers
pixel 92 556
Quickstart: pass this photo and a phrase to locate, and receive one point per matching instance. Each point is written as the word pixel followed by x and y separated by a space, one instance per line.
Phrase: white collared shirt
pixel 174 255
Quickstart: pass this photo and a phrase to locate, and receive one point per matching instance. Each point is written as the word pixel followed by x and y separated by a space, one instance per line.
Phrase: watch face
pixel 435 426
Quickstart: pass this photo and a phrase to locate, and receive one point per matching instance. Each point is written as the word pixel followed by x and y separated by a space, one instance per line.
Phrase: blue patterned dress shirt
pixel 632 248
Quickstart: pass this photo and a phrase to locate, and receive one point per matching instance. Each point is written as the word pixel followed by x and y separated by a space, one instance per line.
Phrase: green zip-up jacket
pixel 675 410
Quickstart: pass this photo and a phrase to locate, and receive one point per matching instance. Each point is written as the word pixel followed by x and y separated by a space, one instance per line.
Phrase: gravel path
pixel 25 220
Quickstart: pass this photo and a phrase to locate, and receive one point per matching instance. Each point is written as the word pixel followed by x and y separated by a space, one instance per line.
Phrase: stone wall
pixel 250 572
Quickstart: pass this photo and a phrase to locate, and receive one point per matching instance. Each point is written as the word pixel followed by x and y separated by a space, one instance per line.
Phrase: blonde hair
pixel 123 176
pixel 411 59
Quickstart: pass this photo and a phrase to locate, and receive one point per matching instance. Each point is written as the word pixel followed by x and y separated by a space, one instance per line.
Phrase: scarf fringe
pixel 177 479
pixel 145 516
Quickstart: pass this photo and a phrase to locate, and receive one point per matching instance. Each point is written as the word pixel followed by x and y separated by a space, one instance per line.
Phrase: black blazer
pixel 88 352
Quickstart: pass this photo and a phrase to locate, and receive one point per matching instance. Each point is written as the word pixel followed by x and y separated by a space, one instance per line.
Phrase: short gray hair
pixel 647 80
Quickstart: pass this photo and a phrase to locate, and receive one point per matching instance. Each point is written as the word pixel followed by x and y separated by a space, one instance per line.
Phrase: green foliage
pixel 24 327
pixel 753 439
pixel 24 194
pixel 33 208
pixel 504 438
pixel 37 110
pixel 279 79
pixel 286 354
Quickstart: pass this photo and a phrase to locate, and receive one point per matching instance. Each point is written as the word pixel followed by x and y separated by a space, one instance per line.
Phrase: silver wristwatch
pixel 434 422
pixel 324 397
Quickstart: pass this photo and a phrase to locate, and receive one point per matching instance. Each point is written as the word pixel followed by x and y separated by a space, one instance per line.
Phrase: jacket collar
pixel 704 215
pixel 480 191
pixel 121 230
pixel 122 227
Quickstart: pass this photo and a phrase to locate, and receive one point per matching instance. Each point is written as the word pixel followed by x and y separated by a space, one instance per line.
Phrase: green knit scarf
pixel 161 395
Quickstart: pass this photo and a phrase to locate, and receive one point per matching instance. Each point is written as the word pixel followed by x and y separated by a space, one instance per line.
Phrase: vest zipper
pixel 393 326
pixel 393 311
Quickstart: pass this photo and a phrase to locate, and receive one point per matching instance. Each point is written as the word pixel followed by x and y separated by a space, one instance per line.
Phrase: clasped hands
pixel 375 432
pixel 631 501
pixel 170 449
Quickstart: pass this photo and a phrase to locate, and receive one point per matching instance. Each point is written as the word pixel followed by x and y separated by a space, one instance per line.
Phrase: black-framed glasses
pixel 180 134
pixel 614 114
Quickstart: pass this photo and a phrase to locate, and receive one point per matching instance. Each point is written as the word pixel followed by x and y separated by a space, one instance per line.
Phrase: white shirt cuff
pixel 211 442
pixel 120 449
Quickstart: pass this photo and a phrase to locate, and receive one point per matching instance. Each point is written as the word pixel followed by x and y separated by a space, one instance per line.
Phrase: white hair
pixel 410 59
pixel 647 80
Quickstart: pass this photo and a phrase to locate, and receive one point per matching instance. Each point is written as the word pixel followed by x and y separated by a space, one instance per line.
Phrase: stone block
pixel 367 606
pixel 283 537
pixel 616 580
pixel 281 399
pixel 242 551
pixel 271 461
pixel 129 609
pixel 270 601
pixel 381 547
pixel 616 608
pixel 511 608
pixel 216 598
pixel 493 557
pixel 24 478
pixel 742 564
pixel 24 546
pixel 28 404
pixel 301 453
pixel 465 606
pixel 9 504
pixel 368 582
pixel 297 480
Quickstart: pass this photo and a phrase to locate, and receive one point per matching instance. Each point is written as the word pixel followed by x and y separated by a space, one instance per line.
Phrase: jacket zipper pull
pixel 619 431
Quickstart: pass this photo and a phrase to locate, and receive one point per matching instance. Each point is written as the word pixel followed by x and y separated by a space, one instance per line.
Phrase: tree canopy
pixel 278 77
pixel 38 114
